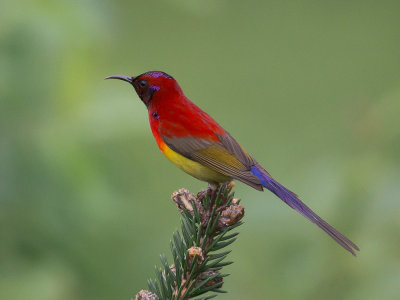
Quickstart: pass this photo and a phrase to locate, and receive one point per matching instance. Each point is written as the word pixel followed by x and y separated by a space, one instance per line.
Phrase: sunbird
pixel 198 145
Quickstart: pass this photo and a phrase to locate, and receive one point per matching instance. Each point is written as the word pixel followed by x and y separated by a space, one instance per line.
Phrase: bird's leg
pixel 214 190
pixel 203 193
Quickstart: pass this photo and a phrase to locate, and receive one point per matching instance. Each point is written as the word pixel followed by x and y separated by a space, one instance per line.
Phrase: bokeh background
pixel 310 88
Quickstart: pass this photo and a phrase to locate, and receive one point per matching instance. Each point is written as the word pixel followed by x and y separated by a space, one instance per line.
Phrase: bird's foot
pixel 213 195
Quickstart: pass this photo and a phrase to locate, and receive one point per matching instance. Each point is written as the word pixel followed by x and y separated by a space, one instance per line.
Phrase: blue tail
pixel 294 202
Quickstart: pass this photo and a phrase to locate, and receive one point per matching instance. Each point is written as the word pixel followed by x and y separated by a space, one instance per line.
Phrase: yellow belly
pixel 194 168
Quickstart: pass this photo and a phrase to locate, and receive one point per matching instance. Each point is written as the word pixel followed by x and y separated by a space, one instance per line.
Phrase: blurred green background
pixel 310 88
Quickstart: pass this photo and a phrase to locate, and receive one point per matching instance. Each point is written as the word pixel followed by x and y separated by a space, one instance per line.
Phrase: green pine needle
pixel 204 231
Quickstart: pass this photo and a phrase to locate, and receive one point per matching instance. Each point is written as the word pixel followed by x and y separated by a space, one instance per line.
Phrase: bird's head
pixel 151 85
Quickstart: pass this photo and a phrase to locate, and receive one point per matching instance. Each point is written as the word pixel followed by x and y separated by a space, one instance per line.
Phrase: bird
pixel 193 141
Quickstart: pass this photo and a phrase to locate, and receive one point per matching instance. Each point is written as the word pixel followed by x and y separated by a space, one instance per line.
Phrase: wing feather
pixel 226 156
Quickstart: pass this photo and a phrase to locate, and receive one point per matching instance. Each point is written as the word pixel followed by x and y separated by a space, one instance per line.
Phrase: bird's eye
pixel 142 83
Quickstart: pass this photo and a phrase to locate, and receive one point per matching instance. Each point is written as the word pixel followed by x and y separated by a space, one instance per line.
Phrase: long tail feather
pixel 294 202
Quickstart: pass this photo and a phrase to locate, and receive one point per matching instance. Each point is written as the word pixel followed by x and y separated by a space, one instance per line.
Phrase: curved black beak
pixel 122 77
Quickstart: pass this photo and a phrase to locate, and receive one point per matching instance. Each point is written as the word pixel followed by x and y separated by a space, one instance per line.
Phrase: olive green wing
pixel 225 156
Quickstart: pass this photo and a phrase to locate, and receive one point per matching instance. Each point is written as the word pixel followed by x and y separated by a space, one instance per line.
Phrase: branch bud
pixel 145 295
pixel 231 185
pixel 196 251
pixel 183 199
pixel 231 215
